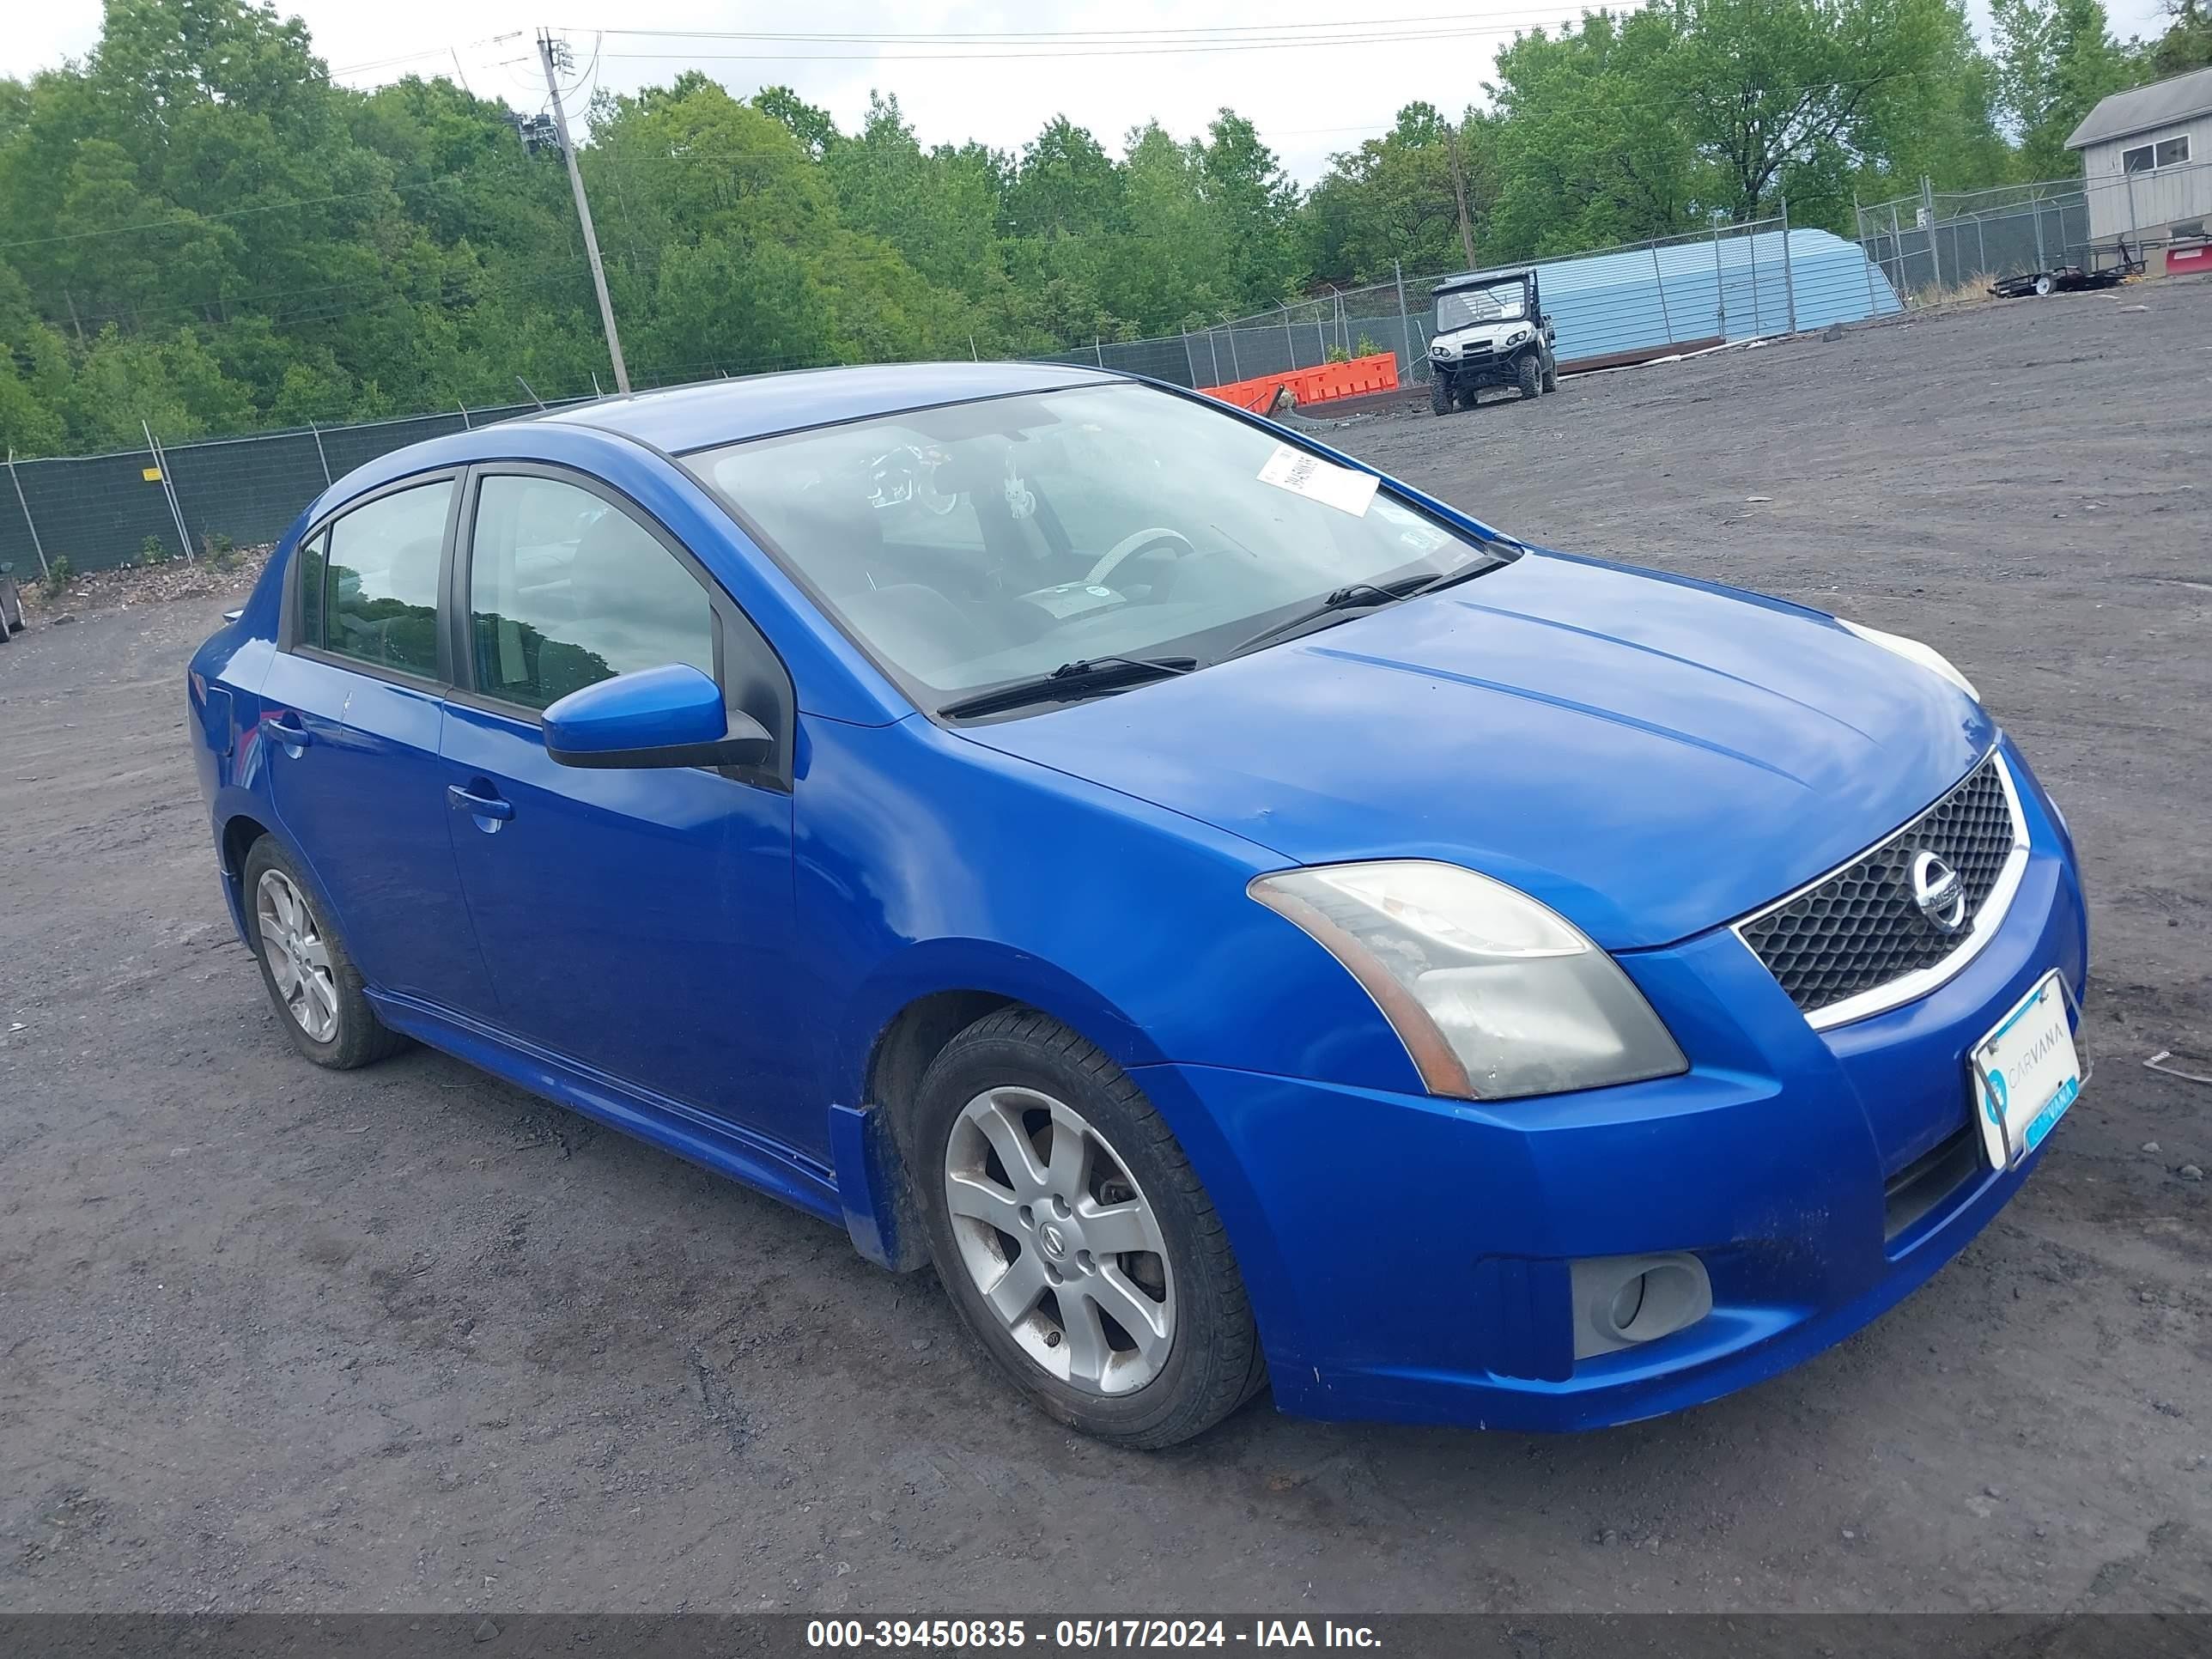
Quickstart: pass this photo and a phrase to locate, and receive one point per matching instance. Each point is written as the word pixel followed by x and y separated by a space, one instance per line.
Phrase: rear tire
pixel 1440 395
pixel 1551 373
pixel 311 980
pixel 1078 1222
pixel 1529 375
pixel 2043 285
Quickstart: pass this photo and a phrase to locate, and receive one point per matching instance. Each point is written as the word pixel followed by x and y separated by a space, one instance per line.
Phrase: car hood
pixel 1648 755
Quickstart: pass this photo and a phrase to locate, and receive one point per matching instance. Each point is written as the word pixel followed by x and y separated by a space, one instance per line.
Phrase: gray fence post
pixel 1720 284
pixel 1190 362
pixel 321 457
pixel 1788 280
pixel 1897 248
pixel 2041 263
pixel 1405 319
pixel 29 524
pixel 467 425
pixel 1289 345
pixel 1982 247
pixel 1927 207
pixel 1098 349
pixel 1751 254
pixel 1659 278
pixel 1213 346
pixel 169 486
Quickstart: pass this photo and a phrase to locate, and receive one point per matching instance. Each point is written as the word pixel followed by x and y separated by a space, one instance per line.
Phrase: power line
pixel 1023 37
pixel 1085 51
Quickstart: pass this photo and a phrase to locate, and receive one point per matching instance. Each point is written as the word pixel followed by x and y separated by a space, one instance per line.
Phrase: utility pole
pixel 546 49
pixel 1458 190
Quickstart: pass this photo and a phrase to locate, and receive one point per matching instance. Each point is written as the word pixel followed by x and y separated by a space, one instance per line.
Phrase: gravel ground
pixel 272 1338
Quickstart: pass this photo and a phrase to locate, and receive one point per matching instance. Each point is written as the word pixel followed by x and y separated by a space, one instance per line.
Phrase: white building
pixel 2147 167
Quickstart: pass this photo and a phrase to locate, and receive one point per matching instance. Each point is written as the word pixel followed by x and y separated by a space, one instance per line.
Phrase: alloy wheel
pixel 1059 1240
pixel 299 960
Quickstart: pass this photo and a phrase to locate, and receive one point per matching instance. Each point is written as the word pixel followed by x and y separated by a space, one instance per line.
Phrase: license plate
pixel 2025 1074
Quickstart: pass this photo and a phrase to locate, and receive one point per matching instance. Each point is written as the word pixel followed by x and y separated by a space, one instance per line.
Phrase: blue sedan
pixel 1241 920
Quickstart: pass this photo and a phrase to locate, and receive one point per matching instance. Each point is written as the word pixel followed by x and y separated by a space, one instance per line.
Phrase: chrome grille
pixel 1859 929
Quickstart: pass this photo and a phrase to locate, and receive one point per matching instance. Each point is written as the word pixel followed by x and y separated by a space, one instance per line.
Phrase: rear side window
pixel 566 589
pixel 379 601
pixel 312 563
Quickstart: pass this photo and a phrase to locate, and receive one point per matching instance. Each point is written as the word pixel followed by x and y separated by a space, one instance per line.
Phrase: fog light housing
pixel 1624 1301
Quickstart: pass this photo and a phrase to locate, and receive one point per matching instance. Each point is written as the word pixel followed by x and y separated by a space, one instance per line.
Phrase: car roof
pixel 729 411
pixel 1479 278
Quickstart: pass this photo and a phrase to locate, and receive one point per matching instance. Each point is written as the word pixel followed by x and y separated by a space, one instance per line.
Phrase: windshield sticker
pixel 1309 476
pixel 1413 531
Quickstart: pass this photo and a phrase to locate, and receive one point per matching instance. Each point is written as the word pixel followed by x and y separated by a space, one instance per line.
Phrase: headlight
pixel 1493 994
pixel 1520 334
pixel 1912 651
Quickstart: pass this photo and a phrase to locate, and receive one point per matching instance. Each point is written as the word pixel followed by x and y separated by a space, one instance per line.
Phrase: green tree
pixel 2055 60
pixel 2187 42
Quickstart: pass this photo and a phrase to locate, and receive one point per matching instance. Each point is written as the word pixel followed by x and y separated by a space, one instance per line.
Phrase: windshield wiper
pixel 1361 596
pixel 1085 677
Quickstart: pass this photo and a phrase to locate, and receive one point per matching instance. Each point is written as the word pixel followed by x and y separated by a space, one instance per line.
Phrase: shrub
pixel 57 576
pixel 153 550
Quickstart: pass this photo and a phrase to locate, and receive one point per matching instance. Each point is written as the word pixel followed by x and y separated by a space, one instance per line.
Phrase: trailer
pixel 2093 273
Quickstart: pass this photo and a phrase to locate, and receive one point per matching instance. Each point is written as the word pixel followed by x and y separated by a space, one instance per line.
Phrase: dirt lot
pixel 272 1338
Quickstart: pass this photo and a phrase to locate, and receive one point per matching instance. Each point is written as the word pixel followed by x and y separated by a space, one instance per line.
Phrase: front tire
pixel 1529 375
pixel 1440 394
pixel 1074 1238
pixel 311 980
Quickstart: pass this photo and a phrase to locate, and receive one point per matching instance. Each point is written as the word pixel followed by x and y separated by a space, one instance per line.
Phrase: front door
pixel 353 707
pixel 638 921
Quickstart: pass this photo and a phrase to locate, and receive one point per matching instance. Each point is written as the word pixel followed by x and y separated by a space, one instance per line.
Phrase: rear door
pixel 638 921
pixel 352 710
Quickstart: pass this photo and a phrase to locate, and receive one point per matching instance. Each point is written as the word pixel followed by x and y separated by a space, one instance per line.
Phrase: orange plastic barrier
pixel 1312 386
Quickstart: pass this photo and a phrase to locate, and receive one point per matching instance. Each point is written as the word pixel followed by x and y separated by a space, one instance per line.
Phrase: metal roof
pixel 2160 104
pixel 725 411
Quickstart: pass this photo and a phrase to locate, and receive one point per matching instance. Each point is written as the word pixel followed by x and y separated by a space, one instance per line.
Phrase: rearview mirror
pixel 667 716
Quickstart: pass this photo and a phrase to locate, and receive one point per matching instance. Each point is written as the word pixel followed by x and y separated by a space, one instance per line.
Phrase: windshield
pixel 1499 301
pixel 984 543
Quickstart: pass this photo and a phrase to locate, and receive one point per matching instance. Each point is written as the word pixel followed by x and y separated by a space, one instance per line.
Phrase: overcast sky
pixel 1307 102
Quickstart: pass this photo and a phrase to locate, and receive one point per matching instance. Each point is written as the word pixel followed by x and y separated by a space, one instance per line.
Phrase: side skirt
pixel 764 1165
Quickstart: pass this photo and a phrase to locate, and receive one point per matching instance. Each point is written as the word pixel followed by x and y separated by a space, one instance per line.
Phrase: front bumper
pixel 1407 1256
pixel 1484 368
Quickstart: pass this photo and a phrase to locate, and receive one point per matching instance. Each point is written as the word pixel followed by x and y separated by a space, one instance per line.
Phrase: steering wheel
pixel 1137 541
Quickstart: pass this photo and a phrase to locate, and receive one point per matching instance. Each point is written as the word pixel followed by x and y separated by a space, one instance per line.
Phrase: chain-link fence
pixel 1938 242
pixel 1613 305
pixel 169 500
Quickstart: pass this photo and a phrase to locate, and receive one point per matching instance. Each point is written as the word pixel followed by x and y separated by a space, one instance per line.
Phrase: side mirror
pixel 667 716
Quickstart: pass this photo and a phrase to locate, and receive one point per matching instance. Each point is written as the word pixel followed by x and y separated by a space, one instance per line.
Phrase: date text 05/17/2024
pixel 895 1634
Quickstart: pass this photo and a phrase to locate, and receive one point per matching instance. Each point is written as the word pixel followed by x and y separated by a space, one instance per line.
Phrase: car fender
pixel 876 1184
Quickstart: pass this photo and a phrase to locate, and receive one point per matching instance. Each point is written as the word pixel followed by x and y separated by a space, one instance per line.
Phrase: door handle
pixel 288 730
pixel 483 806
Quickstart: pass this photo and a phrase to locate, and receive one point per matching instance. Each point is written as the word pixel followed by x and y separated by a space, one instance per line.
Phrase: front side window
pixel 2174 152
pixel 1025 533
pixel 2138 160
pixel 566 589
pixel 379 594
